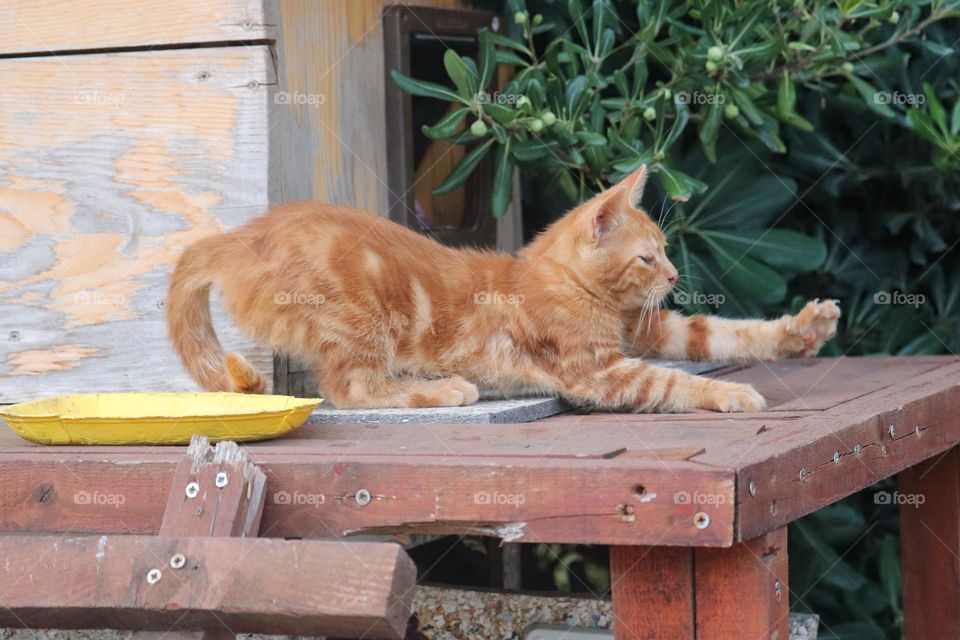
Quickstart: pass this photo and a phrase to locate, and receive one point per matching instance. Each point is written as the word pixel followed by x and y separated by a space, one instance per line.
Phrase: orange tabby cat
pixel 391 318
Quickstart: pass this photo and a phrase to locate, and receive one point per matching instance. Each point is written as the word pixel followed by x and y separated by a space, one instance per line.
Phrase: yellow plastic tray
pixel 156 418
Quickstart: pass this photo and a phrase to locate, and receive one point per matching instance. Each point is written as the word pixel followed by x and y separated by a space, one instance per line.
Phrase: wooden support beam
pixel 299 587
pixel 670 593
pixel 929 547
pixel 215 492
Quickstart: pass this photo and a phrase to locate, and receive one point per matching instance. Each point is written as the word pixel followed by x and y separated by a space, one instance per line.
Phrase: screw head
pixel 892 430
pixel 803 475
pixel 253 84
pixel 153 576
pixel 177 561
pixel 778 589
pixel 752 488
pixel 857 448
pixel 363 497
pixel 836 457
pixel 773 508
pixel 701 520
pixel 222 480
pixel 247 25
pixel 192 490
pixel 916 431
pixel 883 450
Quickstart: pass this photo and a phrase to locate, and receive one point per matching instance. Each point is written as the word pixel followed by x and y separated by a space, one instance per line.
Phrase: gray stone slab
pixel 489 410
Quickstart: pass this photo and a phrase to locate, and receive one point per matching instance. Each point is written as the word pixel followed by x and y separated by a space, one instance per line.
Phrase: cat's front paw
pixel 733 397
pixel 805 333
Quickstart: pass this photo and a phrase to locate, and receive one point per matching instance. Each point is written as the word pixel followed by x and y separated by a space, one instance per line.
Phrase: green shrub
pixel 801 149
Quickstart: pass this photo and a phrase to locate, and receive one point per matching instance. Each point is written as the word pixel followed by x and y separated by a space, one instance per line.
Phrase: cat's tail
pixel 191 329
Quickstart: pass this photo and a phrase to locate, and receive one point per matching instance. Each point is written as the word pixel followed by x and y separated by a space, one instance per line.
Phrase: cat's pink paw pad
pixel 805 333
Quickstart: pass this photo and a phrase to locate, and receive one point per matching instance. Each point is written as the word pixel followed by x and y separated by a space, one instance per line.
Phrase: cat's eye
pixel 648 259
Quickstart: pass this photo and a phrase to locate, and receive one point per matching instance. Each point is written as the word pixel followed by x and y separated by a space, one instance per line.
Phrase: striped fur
pixel 390 318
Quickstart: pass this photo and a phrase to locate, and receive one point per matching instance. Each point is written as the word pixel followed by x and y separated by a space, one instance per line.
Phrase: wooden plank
pixel 215 492
pixel 40 26
pixel 109 166
pixel 821 458
pixel 742 592
pixel 350 589
pixel 653 593
pixel 515 499
pixel 701 594
pixel 930 547
pixel 823 383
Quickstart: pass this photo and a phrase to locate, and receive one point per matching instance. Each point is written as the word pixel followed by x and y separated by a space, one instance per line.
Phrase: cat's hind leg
pixel 352 386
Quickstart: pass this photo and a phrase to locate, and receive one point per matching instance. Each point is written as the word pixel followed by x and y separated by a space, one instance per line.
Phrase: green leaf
pixel 710 129
pixel 573 93
pixel 678 185
pixel 786 94
pixel 463 169
pixel 871 97
pixel 424 89
pixel 502 181
pixel 796 121
pixel 780 248
pixel 488 58
pixel 590 138
pixel 748 277
pixel 503 41
pixel 679 124
pixel 743 101
pixel 534 149
pixel 460 73
pixel 448 126
pixel 500 113
pixel 955 118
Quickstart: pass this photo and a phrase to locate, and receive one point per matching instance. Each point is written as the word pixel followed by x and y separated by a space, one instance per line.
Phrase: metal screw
pixel 161 304
pixel 247 25
pixel 222 480
pixel 14 336
pixel 916 430
pixel 752 487
pixel 856 449
pixel 177 561
pixel 153 576
pixel 778 589
pixel 363 497
pixel 883 450
pixel 203 76
pixel 836 457
pixel 193 489
pixel 892 430
pixel 253 84
pixel 803 475
pixel 701 520
pixel 773 508
pixel 198 510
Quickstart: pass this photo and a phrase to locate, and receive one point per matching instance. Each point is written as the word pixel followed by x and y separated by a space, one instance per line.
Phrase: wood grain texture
pixel 325 588
pixel 517 499
pixel 653 593
pixel 798 467
pixel 742 592
pixel 32 26
pixel 109 166
pixel 930 548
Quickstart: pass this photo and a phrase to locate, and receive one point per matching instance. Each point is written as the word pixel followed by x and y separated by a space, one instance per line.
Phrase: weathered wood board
pixel 335 589
pixel 110 164
pixel 39 26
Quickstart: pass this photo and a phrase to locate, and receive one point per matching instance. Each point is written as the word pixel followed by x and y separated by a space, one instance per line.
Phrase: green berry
pixel 715 54
pixel 847 67
pixel 659 155
pixel 894 17
pixel 649 114
pixel 520 17
pixel 536 125
pixel 548 118
pixel 478 128
pixel 538 19
pixel 711 66
pixel 731 111
pixel 667 94
pixel 523 101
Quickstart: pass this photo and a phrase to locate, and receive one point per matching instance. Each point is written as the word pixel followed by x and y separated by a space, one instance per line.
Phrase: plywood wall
pixel 130 128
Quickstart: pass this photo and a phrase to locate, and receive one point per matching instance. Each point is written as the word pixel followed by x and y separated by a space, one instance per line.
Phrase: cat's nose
pixel 673 278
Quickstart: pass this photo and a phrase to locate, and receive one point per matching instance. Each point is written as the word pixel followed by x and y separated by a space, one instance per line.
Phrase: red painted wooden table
pixel 694 506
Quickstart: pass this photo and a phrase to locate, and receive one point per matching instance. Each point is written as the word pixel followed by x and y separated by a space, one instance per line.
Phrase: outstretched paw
pixel 805 333
pixel 733 397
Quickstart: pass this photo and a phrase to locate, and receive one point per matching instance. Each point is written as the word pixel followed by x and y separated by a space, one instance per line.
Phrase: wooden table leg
pixel 672 593
pixel 929 546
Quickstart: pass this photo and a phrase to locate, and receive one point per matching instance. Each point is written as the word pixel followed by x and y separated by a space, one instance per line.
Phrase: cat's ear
pixel 605 216
pixel 635 184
